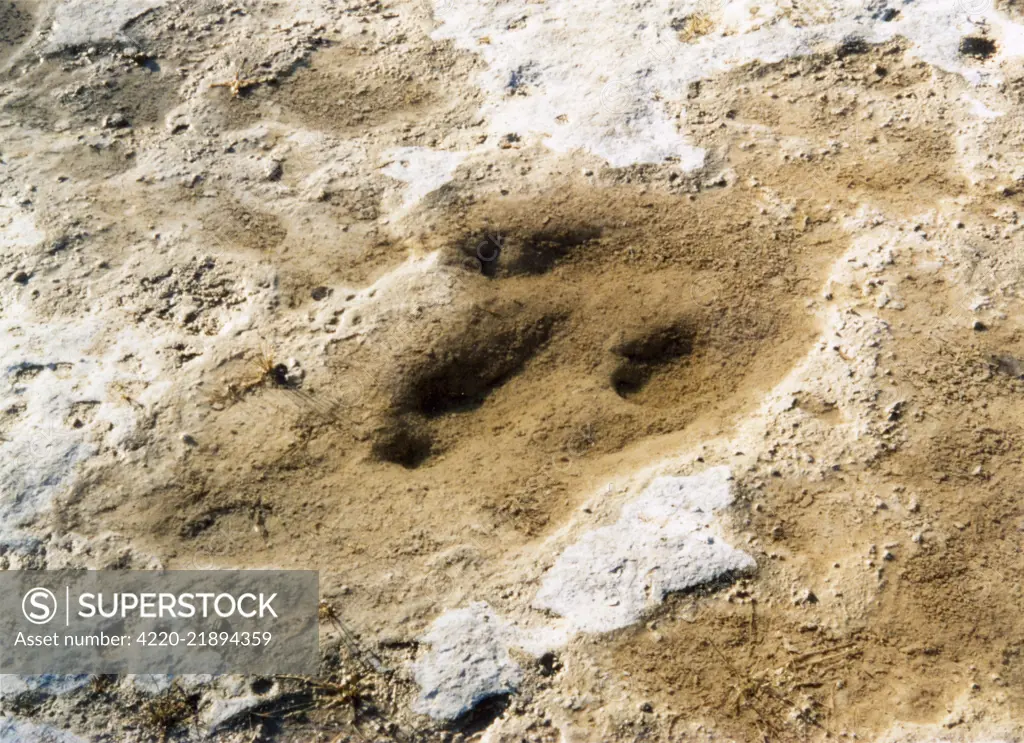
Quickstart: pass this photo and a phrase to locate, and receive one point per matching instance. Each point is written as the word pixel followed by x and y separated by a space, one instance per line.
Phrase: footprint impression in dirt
pixel 589 333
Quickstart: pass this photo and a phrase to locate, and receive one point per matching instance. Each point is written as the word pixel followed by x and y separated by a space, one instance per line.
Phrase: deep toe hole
pixel 399 445
pixel 660 346
pixel 643 354
pixel 516 252
pixel 629 379
pixel 465 373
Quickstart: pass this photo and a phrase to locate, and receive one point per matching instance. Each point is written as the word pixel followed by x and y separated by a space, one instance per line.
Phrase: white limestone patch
pixel 18 229
pixel 468 662
pixel 59 385
pixel 584 74
pixel 22 731
pixel 954 731
pixel 422 169
pixel 979 109
pixel 663 542
pixel 81 22
pixel 11 685
pixel 228 698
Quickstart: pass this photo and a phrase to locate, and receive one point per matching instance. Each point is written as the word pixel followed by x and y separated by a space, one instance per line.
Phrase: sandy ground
pixel 425 295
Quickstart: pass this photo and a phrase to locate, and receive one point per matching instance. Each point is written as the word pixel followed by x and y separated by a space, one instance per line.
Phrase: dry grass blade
pixel 162 714
pixel 350 693
pixel 238 85
pixel 273 374
pixel 327 410
pixel 367 658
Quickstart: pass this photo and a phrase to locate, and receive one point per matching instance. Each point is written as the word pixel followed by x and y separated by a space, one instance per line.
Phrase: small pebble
pixel 274 171
pixel 115 121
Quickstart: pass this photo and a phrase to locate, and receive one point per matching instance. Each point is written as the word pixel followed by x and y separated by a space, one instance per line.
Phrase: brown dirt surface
pixel 428 401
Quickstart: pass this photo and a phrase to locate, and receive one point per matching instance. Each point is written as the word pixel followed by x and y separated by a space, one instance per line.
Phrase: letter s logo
pixel 39 605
